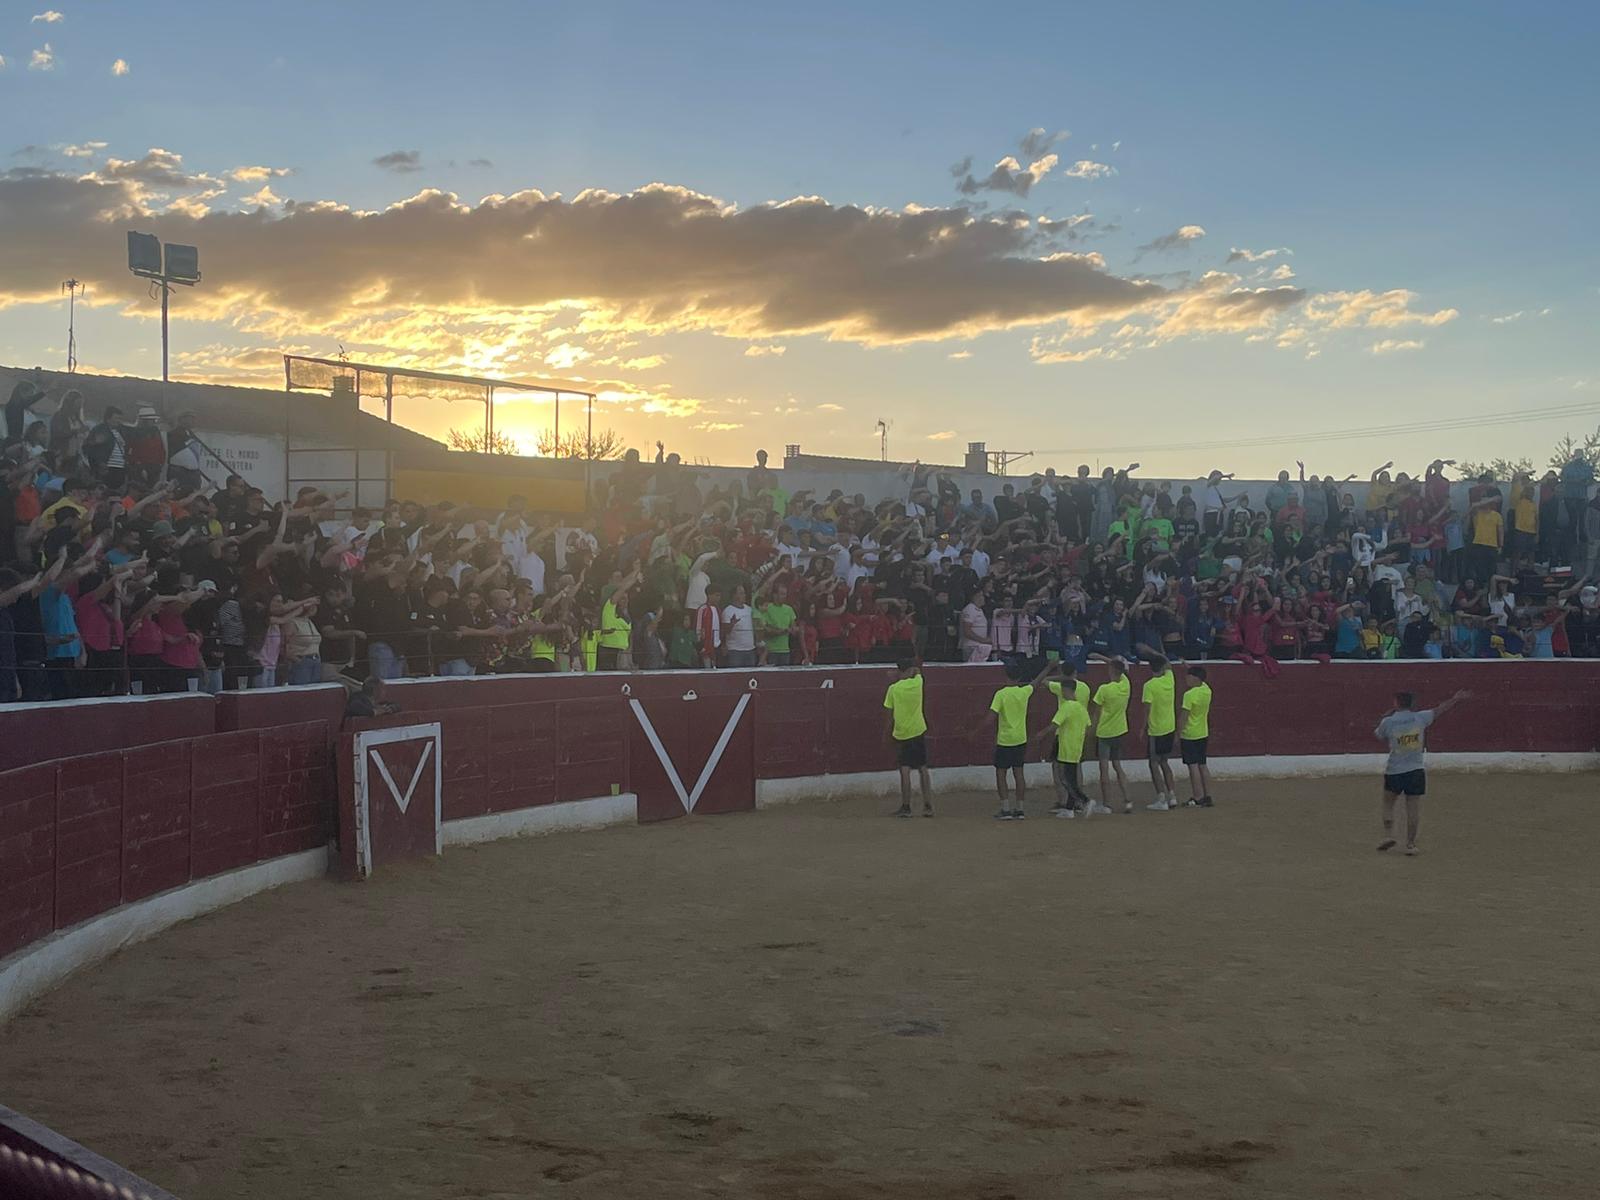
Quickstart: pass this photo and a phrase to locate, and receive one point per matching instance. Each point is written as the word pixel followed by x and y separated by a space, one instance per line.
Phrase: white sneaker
pixel 1066 814
pixel 1097 807
pixel 1127 807
pixel 1160 805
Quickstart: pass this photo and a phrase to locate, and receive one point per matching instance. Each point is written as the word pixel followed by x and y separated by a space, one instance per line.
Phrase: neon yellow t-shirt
pixel 1112 697
pixel 1158 694
pixel 904 699
pixel 1080 694
pixel 614 628
pixel 1071 720
pixel 1012 705
pixel 541 646
pixel 1196 711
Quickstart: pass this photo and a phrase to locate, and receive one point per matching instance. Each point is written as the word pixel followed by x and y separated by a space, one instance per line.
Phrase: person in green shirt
pixel 1010 707
pixel 1159 696
pixel 1062 740
pixel 776 620
pixel 906 726
pixel 1196 732
pixel 1109 708
pixel 683 648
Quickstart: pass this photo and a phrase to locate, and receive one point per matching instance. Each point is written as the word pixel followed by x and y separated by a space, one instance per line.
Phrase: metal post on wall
pixel 555 451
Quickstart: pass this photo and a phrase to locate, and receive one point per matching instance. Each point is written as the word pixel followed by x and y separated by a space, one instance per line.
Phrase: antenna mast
pixel 72 287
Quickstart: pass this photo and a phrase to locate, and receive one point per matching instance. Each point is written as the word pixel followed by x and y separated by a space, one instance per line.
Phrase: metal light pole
pixel 163 266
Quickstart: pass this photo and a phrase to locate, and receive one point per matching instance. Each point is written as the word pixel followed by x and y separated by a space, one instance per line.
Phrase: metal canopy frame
pixel 338 366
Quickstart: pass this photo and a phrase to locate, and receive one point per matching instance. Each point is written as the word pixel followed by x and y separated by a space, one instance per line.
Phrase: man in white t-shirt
pixel 739 631
pixel 699 581
pixel 1404 771
pixel 976 644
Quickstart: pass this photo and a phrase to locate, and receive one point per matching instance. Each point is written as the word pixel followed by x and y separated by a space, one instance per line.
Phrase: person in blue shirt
pixel 1577 478
pixel 1347 634
pixel 61 642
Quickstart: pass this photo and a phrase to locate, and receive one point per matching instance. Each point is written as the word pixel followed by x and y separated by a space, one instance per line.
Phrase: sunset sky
pixel 1183 235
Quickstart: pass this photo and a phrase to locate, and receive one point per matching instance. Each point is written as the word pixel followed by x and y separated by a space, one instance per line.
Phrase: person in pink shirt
pixel 145 642
pixel 99 614
pixel 181 650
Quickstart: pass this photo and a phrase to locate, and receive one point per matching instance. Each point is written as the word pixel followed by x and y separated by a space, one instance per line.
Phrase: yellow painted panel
pixel 487 490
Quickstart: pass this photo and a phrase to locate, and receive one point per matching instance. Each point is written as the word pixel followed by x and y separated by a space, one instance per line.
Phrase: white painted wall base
pixel 622 809
pixel 770 792
pixel 35 969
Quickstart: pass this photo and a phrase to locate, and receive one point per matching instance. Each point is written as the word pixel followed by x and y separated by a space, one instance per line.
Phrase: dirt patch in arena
pixel 822 1002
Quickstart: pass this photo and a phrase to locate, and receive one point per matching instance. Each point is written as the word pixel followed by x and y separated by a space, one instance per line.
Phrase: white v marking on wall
pixel 383 769
pixel 661 752
pixel 718 750
pixel 685 797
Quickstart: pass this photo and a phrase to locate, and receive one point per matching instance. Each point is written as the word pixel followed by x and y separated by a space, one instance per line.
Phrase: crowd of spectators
pixel 125 568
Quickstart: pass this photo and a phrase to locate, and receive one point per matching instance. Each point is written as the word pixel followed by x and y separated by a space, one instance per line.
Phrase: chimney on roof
pixel 792 450
pixel 978 457
pixel 344 390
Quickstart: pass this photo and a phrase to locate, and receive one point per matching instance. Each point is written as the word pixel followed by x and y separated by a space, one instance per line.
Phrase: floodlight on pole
pixel 163 267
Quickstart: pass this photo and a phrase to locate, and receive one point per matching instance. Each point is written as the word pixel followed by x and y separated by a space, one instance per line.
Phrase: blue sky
pixel 1444 151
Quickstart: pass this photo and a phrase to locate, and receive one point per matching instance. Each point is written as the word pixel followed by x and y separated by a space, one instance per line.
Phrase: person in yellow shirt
pixel 1159 696
pixel 1488 535
pixel 1524 535
pixel 1010 708
pixel 1062 741
pixel 1109 708
pixel 906 726
pixel 1196 733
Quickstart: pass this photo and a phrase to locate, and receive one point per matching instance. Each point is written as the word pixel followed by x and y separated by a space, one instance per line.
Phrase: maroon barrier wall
pixel 31 733
pixel 163 790
pixel 82 835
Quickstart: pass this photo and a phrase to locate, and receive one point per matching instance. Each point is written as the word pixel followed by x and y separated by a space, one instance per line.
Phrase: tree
pixel 1498 468
pixel 608 443
pixel 481 441
pixel 1563 452
pixel 1569 448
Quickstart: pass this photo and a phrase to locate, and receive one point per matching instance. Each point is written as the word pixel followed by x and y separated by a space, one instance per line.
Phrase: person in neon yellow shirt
pixel 1109 708
pixel 1062 740
pixel 1010 707
pixel 616 630
pixel 1158 695
pixel 906 726
pixel 1196 733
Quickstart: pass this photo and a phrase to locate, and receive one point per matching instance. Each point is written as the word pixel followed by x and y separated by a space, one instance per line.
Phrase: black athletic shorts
pixel 1407 783
pixel 1006 757
pixel 913 752
pixel 1161 743
pixel 1109 747
pixel 1194 751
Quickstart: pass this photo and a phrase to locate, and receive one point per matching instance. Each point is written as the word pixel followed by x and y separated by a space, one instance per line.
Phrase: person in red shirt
pixel 1253 635
pixel 831 596
pixel 860 630
pixel 751 549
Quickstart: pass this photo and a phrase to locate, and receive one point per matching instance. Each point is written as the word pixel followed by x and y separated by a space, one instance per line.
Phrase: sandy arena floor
pixel 822 1002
